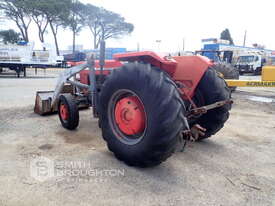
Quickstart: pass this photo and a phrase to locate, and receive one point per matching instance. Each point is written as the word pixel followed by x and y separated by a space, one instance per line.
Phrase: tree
pixel 56 13
pixel 90 18
pixel 10 36
pixel 18 12
pixel 225 35
pixel 105 24
pixel 39 17
pixel 74 21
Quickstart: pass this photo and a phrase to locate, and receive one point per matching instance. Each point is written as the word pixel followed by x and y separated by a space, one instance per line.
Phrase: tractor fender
pixel 164 62
pixel 189 72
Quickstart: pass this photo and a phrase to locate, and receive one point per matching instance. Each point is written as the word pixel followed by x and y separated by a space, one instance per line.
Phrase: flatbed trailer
pixel 19 57
pixel 21 68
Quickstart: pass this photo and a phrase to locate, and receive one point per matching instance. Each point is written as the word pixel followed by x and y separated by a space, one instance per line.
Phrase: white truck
pixel 18 57
pixel 251 63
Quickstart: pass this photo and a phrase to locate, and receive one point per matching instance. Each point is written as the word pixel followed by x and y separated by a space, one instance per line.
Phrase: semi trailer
pixel 18 57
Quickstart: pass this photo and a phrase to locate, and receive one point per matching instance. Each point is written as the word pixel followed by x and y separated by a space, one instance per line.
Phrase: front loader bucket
pixel 43 102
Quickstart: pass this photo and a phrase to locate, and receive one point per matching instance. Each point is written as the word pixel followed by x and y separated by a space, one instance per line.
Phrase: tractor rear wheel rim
pixel 127 117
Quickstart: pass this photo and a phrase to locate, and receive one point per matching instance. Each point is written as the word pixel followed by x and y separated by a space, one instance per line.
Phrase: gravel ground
pixel 234 167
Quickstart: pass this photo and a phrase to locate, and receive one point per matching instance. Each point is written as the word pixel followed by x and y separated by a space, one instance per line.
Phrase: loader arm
pixel 64 77
pixel 46 101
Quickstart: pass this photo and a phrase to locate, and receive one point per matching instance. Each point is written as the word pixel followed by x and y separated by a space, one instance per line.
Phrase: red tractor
pixel 146 103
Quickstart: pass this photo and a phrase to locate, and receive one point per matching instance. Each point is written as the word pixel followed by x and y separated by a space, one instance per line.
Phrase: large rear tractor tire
pixel 142 115
pixel 212 88
pixel 68 112
pixel 227 71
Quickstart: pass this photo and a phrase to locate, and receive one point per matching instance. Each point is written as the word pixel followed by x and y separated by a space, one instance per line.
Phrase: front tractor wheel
pixel 142 115
pixel 68 112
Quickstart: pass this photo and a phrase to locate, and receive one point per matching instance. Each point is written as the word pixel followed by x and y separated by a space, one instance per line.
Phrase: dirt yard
pixel 235 167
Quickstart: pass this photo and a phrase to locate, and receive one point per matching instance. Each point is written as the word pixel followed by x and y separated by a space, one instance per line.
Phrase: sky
pixel 175 21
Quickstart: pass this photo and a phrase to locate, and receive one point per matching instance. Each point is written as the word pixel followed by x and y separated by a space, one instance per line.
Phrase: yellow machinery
pixel 268 79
